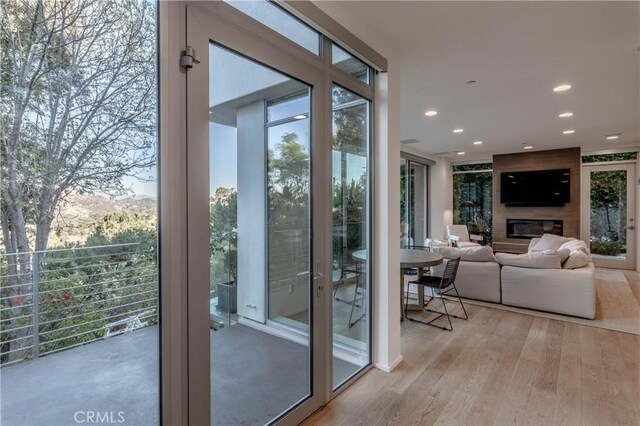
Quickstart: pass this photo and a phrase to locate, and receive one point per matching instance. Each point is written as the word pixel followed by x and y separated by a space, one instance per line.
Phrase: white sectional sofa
pixel 563 291
pixel 536 280
pixel 478 274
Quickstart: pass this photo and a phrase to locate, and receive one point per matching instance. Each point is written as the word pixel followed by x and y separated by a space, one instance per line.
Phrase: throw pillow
pixel 533 243
pixel 533 260
pixel 578 259
pixel 550 242
pixel 468 254
pixel 574 245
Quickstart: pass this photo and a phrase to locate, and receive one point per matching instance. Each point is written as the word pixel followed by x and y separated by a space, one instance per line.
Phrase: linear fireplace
pixel 532 228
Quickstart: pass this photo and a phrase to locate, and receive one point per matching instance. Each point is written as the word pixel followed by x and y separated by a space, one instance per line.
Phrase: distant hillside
pixel 78 215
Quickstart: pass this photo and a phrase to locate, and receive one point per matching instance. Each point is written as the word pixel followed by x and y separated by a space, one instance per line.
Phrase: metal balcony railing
pixel 58 299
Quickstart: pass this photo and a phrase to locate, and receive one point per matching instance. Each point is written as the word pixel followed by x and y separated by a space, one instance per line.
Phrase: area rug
pixel 616 306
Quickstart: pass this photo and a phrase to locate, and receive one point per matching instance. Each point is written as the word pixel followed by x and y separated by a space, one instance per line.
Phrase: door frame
pixel 184 352
pixel 227 27
pixel 630 168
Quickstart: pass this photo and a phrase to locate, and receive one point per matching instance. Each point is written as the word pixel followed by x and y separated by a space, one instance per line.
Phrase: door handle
pixel 319 286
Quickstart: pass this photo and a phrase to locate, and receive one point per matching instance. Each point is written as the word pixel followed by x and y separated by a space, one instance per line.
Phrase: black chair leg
pixel 444 304
pixel 354 304
pixel 466 316
pixel 441 314
pixel 337 287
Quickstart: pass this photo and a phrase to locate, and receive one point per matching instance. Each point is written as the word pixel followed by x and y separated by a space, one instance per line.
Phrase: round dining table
pixel 409 259
pixel 415 259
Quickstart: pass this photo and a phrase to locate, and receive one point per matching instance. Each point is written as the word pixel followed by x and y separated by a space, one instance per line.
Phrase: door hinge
pixel 189 57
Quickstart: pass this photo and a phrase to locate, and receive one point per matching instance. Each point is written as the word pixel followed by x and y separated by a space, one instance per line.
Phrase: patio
pixel 99 377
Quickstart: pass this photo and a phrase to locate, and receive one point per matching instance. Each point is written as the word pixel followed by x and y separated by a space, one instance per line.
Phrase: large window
pixel 350 64
pixel 414 181
pixel 270 14
pixel 473 198
pixel 78 211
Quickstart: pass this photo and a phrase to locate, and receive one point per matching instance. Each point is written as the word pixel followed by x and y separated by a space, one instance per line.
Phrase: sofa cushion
pixel 533 260
pixel 568 292
pixel 474 253
pixel 574 245
pixel 549 242
pixel 578 259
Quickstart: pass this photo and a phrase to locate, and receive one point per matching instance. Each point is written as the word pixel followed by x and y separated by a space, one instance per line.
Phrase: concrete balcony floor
pixel 255 377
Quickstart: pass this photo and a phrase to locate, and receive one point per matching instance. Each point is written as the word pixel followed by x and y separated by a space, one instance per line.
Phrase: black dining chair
pixel 440 286
pixel 355 271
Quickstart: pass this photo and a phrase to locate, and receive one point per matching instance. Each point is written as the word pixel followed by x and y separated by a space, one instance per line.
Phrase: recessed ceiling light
pixel 566 115
pixel 562 88
pixel 477 143
pixel 460 152
pixel 528 147
pixel 568 132
pixel 300 117
pixel 431 113
pixel 614 136
pixel 458 130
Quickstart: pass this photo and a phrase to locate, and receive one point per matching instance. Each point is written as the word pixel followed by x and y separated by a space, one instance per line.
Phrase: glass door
pixel 609 210
pixel 351 243
pixel 257 316
pixel 413 203
pixel 259 173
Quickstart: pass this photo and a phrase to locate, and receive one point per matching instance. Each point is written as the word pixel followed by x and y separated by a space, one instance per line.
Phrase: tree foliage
pixel 350 121
pixel 478 188
pixel 223 223
pixel 85 292
pixel 78 105
pixel 78 112
pixel 608 211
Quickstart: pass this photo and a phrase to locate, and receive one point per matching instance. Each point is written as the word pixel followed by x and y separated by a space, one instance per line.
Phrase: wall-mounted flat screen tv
pixel 544 188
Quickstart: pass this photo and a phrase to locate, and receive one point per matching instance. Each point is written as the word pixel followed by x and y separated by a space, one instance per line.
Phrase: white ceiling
pixel 517 52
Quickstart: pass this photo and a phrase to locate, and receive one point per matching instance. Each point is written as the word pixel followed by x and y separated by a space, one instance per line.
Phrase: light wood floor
pixel 633 278
pixel 499 368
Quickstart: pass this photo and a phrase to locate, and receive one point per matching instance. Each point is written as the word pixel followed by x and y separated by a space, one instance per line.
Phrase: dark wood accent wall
pixel 528 161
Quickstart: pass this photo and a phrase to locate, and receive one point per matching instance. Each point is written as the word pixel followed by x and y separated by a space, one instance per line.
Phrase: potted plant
pixel 227 291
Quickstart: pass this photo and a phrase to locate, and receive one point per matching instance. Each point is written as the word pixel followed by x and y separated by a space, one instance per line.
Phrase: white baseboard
pixel 388 368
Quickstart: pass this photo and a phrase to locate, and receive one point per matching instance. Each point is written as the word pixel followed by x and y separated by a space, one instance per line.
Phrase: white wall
pixel 386 176
pixel 251 213
pixel 441 210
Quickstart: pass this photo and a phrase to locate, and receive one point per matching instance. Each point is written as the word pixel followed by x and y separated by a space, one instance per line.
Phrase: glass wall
pixel 473 198
pixel 414 183
pixel 351 278
pixel 79 334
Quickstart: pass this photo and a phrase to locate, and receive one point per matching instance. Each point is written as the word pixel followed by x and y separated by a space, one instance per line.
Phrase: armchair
pixel 459 236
